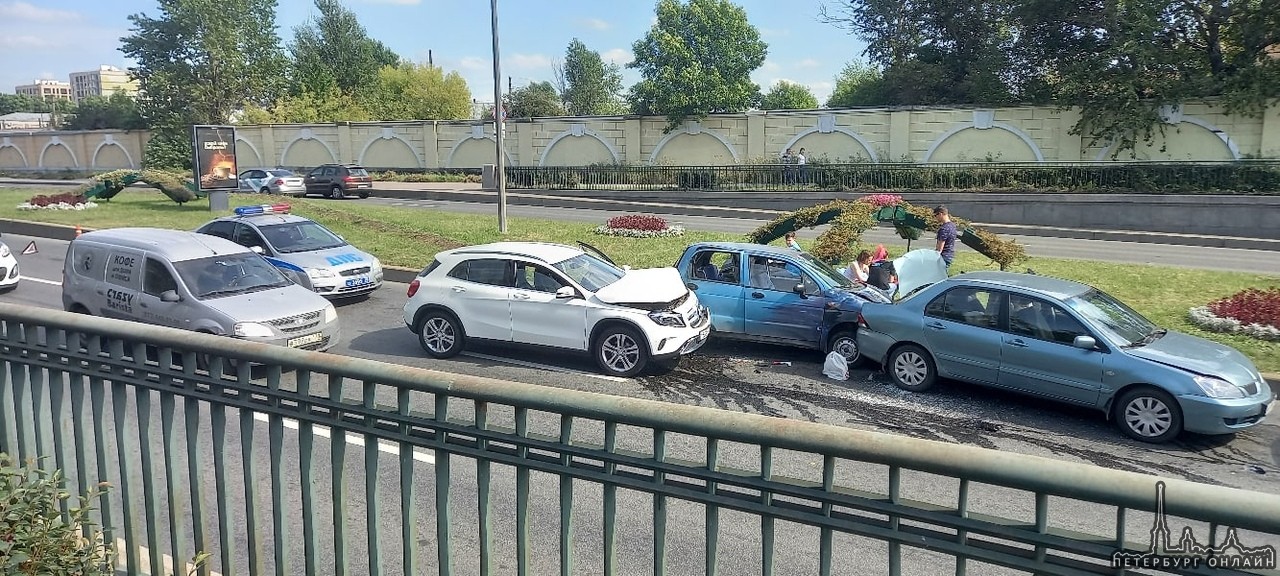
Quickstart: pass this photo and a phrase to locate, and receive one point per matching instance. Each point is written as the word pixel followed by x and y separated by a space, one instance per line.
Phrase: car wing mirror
pixel 801 289
pixel 566 292
pixel 1085 342
pixel 170 296
pixel 257 249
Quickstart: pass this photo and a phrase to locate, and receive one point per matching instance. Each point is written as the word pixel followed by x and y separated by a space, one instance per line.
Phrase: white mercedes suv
pixel 556 296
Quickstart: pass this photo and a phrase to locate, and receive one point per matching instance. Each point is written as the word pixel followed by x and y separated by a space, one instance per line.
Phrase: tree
pixel 538 99
pixel 695 60
pixel 10 103
pixel 308 108
pixel 858 85
pixel 198 62
pixel 789 96
pixel 418 92
pixel 116 112
pixel 333 49
pixel 587 85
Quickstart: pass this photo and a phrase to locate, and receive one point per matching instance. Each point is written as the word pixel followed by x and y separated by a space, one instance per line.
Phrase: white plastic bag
pixel 836 367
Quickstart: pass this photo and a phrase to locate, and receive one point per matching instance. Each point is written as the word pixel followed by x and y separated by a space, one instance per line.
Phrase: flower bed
pixel 639 226
pixel 1254 313
pixel 58 202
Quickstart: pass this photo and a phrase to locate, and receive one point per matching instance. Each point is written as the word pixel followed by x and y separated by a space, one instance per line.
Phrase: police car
pixel 301 248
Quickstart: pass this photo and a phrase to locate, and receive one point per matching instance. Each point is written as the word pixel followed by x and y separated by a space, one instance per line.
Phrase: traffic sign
pixel 30 249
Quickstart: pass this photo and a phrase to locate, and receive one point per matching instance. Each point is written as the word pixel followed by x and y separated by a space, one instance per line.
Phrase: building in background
pixel 46 90
pixel 104 81
pixel 26 121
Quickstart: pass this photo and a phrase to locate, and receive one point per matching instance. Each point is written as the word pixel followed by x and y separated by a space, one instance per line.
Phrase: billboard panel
pixel 215 157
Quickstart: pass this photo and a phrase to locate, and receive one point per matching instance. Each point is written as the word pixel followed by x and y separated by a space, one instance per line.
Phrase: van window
pixel 123 269
pixel 89 260
pixel 158 279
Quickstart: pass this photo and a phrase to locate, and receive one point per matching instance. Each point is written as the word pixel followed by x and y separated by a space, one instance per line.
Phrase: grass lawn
pixel 408 238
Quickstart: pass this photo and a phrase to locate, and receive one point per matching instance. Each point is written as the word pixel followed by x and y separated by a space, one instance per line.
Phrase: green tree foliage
pixel 36 539
pixel 10 103
pixel 788 96
pixel 308 108
pixel 333 49
pixel 418 92
pixel 695 60
pixel 588 85
pixel 197 62
pixel 858 85
pixel 116 112
pixel 538 99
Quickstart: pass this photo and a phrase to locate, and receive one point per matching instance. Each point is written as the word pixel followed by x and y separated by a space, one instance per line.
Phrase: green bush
pixel 34 536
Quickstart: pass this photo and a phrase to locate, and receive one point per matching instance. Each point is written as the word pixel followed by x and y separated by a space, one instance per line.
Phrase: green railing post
pixel 408 502
pixel 566 500
pixel 338 465
pixel 483 492
pixel 371 497
pixel 275 436
pixel 442 487
pixel 306 475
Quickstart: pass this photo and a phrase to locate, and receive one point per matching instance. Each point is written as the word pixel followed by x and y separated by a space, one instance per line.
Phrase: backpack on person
pixel 880 274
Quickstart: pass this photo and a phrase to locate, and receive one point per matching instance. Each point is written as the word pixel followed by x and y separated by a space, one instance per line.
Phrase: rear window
pixel 432 266
pixel 281 173
pixel 357 172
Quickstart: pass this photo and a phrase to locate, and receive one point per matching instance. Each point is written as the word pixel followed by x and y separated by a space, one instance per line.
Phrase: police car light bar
pixel 262 209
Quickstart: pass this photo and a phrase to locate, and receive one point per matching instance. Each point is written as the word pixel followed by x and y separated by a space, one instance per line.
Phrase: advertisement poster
pixel 215 157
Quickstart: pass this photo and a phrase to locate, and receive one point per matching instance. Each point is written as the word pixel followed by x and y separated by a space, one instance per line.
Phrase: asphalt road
pixel 1229 259
pixel 727 377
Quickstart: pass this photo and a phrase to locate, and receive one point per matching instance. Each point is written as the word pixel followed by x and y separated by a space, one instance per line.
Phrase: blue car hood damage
pixel 1200 356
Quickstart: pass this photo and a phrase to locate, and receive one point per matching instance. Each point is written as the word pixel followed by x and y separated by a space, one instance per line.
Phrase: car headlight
pixel 4 251
pixel 330 313
pixel 667 318
pixel 253 330
pixel 1218 388
pixel 320 273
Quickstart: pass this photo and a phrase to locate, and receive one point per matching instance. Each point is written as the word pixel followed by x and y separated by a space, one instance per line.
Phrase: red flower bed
pixel 638 222
pixel 43 201
pixel 1252 306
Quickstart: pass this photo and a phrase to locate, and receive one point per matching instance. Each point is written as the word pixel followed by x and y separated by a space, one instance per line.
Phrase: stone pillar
pixel 1270 133
pixel 267 145
pixel 430 146
pixel 1070 146
pixel 524 143
pixel 346 153
pixel 84 149
pixel 899 136
pixel 632 129
pixel 757 139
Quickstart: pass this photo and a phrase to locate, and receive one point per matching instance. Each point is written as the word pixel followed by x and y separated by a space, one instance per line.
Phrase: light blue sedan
pixel 1068 342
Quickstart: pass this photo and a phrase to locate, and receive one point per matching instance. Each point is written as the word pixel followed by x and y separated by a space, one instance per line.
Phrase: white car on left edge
pixel 9 276
pixel 556 296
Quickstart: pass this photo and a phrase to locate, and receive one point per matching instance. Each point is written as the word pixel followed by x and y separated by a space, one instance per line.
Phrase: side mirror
pixel 800 289
pixel 170 296
pixel 626 267
pixel 1085 342
pixel 566 292
pixel 257 249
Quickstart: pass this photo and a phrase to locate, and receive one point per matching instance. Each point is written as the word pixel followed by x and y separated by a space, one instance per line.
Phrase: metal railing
pixel 1243 176
pixel 474 475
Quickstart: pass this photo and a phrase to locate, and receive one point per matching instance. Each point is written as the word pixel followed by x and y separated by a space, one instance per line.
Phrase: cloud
pixel 775 32
pixel 27 42
pixel 770 66
pixel 528 61
pixel 475 63
pixel 24 12
pixel 808 63
pixel 619 56
pixel 595 24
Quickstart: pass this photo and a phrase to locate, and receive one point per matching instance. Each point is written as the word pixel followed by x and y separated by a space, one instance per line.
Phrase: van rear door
pixel 118 294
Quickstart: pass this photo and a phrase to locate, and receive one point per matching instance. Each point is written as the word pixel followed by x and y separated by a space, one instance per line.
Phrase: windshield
pixel 300 237
pixel 280 173
pixel 590 272
pixel 832 276
pixel 357 172
pixel 221 276
pixel 1112 317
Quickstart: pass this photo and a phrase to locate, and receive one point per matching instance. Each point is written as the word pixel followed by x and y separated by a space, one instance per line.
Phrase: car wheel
pixel 1148 414
pixel 620 351
pixel 846 343
pixel 440 335
pixel 336 193
pixel 911 368
pixel 265 190
pixel 364 194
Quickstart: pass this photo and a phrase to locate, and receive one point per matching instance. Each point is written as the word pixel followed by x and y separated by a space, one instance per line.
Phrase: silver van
pixel 194 282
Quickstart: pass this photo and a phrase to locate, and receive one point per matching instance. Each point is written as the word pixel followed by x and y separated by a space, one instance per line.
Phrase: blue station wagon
pixel 776 295
pixel 1068 342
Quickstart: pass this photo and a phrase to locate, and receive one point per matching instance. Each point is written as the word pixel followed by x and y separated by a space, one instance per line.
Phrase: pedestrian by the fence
pixel 788 160
pixel 946 234
pixel 792 243
pixel 801 170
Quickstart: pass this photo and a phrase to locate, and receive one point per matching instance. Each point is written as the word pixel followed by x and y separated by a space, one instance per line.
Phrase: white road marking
pixel 353 439
pixel 43 281
pixel 144 561
pixel 545 367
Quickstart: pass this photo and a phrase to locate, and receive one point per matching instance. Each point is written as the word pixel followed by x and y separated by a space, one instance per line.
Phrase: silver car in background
pixel 272 181
pixel 1067 342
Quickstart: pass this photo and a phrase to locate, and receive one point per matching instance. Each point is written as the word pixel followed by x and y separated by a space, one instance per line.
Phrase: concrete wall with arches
pixel 1194 131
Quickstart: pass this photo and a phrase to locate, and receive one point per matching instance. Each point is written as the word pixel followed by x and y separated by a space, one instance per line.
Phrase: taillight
pixel 862 322
pixel 347 179
pixel 413 288
pixel 278 182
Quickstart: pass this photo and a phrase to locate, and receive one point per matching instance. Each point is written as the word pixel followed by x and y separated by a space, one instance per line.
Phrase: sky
pixel 53 38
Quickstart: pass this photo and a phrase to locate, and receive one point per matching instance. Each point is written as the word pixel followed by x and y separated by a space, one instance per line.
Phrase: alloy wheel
pixel 620 352
pixel 438 335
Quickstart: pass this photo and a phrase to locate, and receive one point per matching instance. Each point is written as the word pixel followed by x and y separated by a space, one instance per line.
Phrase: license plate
pixel 305 340
pixel 357 281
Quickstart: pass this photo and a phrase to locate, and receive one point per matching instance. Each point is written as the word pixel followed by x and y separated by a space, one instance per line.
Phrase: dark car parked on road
pixel 338 181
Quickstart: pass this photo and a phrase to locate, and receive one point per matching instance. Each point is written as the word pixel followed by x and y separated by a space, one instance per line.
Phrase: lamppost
pixel 499 116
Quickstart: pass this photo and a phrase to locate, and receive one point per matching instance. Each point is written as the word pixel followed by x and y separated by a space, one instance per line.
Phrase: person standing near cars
pixel 946 234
